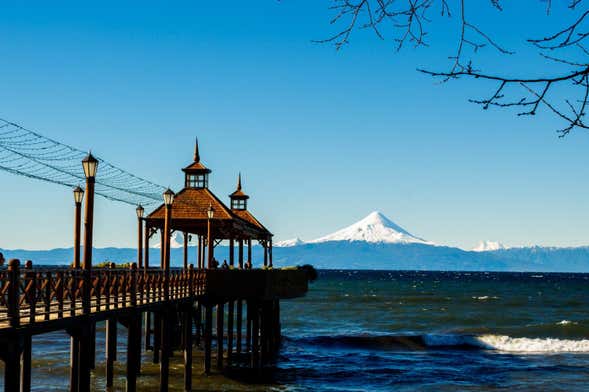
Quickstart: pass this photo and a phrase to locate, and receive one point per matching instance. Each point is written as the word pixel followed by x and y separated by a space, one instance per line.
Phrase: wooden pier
pixel 36 301
pixel 163 309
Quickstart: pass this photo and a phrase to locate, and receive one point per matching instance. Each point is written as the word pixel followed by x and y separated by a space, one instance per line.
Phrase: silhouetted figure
pixel 2 260
pixel 225 265
pixel 248 265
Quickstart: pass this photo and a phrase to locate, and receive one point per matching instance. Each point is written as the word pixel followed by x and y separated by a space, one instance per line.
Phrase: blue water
pixel 436 331
pixel 397 331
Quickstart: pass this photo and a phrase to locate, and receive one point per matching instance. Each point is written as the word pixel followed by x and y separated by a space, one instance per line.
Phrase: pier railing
pixel 29 296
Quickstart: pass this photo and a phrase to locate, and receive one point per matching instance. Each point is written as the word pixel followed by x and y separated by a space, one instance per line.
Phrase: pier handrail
pixel 32 295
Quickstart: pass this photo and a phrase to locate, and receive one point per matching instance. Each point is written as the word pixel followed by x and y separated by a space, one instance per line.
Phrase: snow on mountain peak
pixel 486 246
pixel 375 228
pixel 175 242
pixel 287 243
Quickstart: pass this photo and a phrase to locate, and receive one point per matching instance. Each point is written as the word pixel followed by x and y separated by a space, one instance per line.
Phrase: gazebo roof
pixel 189 214
pixel 247 216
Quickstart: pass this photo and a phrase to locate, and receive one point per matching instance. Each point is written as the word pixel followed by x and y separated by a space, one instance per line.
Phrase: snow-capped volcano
pixel 375 228
pixel 486 246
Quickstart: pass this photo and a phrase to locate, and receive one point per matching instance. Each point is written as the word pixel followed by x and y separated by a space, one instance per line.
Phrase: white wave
pixel 538 345
pixel 484 297
pixel 567 322
pixel 509 344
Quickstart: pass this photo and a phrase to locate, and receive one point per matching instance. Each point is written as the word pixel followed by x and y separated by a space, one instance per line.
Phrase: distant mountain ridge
pixel 374 242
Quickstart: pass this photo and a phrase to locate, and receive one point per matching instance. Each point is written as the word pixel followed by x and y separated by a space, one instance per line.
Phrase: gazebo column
pixel 146 247
pixel 162 248
pixel 249 252
pixel 231 252
pixel 198 251
pixel 270 252
pixel 210 251
pixel 240 259
pixel 185 250
pixel 265 245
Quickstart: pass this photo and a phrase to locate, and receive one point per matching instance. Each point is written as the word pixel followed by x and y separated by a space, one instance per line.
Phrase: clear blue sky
pixel 322 137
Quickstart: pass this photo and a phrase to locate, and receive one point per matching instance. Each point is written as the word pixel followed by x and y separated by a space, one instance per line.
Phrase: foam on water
pixel 509 344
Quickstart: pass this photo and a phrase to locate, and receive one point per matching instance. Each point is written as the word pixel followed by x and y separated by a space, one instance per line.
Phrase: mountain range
pixel 375 242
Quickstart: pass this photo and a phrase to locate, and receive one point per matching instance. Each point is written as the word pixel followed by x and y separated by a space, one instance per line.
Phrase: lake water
pixel 402 331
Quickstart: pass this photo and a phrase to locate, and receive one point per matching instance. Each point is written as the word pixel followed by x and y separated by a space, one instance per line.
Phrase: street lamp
pixel 168 200
pixel 210 215
pixel 78 197
pixel 90 165
pixel 140 211
pixel 168 197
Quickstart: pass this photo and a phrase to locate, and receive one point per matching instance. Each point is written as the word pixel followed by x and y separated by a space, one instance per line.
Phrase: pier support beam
pixel 157 336
pixel 187 326
pixel 220 317
pixel 133 329
pixel 166 351
pixel 147 331
pixel 25 371
pixel 111 349
pixel 255 316
pixel 238 327
pixel 248 326
pixel 230 317
pixel 12 371
pixel 208 333
pixel 74 362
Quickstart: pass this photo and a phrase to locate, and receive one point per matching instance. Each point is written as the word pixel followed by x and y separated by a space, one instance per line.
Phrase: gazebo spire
pixel 238 198
pixel 196 153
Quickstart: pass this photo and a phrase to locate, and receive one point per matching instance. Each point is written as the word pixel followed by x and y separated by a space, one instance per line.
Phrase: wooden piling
pixel 208 333
pixel 25 375
pixel 157 337
pixel 74 362
pixel 230 317
pixel 111 349
pixel 248 326
pixel 187 326
pixel 147 331
pixel 255 335
pixel 238 327
pixel 132 357
pixel 84 357
pixel 12 375
pixel 165 353
pixel 220 316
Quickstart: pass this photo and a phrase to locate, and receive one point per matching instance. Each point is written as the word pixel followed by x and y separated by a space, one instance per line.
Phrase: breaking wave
pixel 500 343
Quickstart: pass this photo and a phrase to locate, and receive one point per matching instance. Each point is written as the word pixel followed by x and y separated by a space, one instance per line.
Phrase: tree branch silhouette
pixel 408 21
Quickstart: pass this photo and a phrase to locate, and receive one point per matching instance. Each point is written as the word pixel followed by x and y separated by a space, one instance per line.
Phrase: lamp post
pixel 165 323
pixel 90 165
pixel 78 197
pixel 140 211
pixel 86 353
pixel 168 200
pixel 210 215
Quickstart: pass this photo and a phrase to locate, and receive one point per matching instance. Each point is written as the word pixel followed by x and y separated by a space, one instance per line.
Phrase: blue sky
pixel 322 137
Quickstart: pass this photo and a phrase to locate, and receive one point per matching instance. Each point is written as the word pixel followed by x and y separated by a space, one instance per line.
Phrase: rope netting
pixel 27 153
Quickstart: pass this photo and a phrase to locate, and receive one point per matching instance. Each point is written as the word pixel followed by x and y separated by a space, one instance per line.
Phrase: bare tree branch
pixel 408 20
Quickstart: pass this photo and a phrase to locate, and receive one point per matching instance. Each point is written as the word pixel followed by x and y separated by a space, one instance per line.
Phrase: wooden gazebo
pixel 189 215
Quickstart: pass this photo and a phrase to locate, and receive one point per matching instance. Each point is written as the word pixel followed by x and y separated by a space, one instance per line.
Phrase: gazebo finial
pixel 196 154
pixel 239 181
